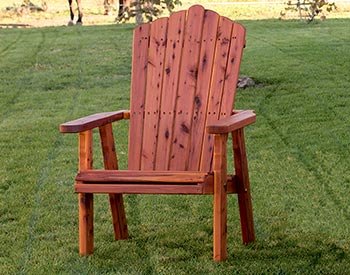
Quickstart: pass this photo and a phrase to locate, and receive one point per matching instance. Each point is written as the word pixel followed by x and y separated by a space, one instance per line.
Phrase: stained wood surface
pixel 141 176
pixel 232 123
pixel 184 74
pixel 137 95
pixel 116 200
pixel 183 78
pixel 220 198
pixel 238 43
pixel 188 76
pixel 86 200
pixel 92 121
pixel 85 151
pixel 191 189
pixel 201 99
pixel 243 186
pixel 172 62
pixel 159 183
pixel 200 188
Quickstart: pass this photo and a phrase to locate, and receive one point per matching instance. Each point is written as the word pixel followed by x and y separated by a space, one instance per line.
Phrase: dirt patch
pixel 30 22
pixel 13 17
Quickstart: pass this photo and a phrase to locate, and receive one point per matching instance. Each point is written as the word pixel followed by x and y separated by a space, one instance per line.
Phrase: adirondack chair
pixel 184 74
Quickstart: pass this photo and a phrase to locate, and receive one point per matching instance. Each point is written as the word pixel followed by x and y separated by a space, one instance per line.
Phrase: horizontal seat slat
pixel 107 181
pixel 138 188
pixel 142 176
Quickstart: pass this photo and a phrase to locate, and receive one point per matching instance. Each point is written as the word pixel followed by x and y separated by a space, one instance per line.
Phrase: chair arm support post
pixel 220 197
pixel 86 213
pixel 85 150
pixel 93 121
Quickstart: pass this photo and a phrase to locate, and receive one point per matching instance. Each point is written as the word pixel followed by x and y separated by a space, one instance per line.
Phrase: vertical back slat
pixel 232 70
pixel 137 98
pixel 206 59
pixel 170 87
pixel 187 86
pixel 217 85
pixel 158 39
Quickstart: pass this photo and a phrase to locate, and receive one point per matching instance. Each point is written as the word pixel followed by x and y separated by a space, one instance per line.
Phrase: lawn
pixel 298 157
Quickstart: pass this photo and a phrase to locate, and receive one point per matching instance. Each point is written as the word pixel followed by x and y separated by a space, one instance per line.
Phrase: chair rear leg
pixel 115 200
pixel 118 217
pixel 243 188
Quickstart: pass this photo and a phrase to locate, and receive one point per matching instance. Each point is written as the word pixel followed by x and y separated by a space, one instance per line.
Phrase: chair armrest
pixel 93 121
pixel 229 124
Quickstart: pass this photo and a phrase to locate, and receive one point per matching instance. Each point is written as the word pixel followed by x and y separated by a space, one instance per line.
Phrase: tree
pixel 146 10
pixel 309 8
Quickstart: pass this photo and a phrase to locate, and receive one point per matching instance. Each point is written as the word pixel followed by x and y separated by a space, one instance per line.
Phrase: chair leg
pixel 220 198
pixel 86 224
pixel 243 188
pixel 118 217
pixel 115 200
pixel 86 212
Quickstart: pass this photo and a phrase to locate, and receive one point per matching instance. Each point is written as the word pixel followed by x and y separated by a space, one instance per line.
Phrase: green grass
pixel 298 157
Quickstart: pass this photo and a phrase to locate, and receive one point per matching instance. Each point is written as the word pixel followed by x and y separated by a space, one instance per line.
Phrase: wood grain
pixel 92 121
pixel 138 91
pixel 86 200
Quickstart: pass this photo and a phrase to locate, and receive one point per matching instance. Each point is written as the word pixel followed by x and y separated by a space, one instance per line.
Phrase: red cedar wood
pixel 115 200
pixel 92 121
pixel 98 184
pixel 86 212
pixel 141 176
pixel 220 197
pixel 170 86
pixel 137 95
pixel 188 89
pixel 244 197
pixel 156 55
pixel 232 123
pixel 136 188
pixel 232 68
pixel 187 84
pixel 205 68
pixel 217 84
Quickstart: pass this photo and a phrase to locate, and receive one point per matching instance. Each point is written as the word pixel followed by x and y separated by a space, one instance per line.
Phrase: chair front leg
pixel 243 188
pixel 86 223
pixel 86 212
pixel 220 197
pixel 115 200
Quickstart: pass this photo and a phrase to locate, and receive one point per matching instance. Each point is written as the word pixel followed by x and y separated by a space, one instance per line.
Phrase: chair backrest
pixel 184 75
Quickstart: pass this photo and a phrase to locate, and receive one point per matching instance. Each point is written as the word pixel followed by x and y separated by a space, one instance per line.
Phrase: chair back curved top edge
pixel 184 74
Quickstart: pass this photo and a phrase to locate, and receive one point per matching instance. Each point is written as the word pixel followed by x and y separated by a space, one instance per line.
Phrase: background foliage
pixel 310 9
pixel 147 10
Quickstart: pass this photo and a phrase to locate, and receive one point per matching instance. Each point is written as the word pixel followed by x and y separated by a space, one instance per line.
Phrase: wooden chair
pixel 184 74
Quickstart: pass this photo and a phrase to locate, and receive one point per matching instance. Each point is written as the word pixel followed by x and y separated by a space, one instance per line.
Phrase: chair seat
pixel 152 182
